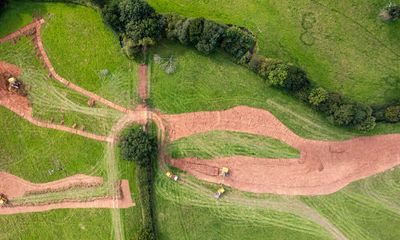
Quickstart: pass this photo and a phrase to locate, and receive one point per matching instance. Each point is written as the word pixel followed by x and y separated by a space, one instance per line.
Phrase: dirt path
pixel 143 89
pixel 15 187
pixel 324 166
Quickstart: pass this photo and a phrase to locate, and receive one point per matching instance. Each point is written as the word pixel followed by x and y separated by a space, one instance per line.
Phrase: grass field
pixel 59 224
pixel 203 83
pixel 29 151
pixel 79 50
pixel 342 45
pixel 216 144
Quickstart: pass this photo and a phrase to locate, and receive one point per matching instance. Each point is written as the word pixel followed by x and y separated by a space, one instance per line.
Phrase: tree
pixel 278 75
pixel 391 12
pixel 3 4
pixel 392 114
pixel 138 146
pixel 317 96
pixel 344 115
pixel 112 16
pixel 211 36
pixel 237 42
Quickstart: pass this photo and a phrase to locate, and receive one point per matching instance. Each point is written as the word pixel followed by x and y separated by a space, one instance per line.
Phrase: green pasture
pixel 216 144
pixel 343 45
pixel 29 151
pixel 80 46
pixel 58 224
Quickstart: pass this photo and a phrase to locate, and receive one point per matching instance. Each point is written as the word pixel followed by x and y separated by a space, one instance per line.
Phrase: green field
pixel 216 144
pixel 342 45
pixel 203 83
pixel 60 224
pixel 79 50
pixel 29 151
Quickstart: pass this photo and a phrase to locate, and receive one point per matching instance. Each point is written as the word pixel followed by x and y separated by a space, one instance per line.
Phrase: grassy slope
pixel 213 83
pixel 352 50
pixel 50 99
pixel 79 50
pixel 367 209
pixel 224 143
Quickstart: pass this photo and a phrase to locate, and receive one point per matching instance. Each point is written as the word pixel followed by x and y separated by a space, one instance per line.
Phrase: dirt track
pixel 324 166
pixel 15 187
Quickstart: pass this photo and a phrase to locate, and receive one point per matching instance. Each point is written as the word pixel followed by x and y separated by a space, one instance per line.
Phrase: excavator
pixel 172 176
pixel 16 86
pixel 3 200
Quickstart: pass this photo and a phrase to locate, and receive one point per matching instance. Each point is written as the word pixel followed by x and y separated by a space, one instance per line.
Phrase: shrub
pixel 173 26
pixel 332 103
pixel 237 42
pixel 368 124
pixel 146 234
pixel 278 75
pixel 211 36
pixel 286 76
pixel 3 4
pixel 392 114
pixel 392 11
pixel 343 115
pixel 297 79
pixel 138 146
pixel 317 96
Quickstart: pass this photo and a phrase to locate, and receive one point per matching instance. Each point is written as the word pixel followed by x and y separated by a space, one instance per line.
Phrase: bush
pixel 317 96
pixel 237 42
pixel 211 36
pixel 393 10
pixel 3 4
pixel 392 114
pixel 111 16
pixel 286 76
pixel 138 146
pixel 146 234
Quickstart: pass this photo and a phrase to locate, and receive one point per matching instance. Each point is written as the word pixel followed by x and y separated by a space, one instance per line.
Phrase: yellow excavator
pixel 172 176
pixel 218 194
pixel 224 171
pixel 3 200
pixel 16 86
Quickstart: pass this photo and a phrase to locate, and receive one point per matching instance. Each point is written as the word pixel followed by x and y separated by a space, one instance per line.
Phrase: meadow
pixel 216 144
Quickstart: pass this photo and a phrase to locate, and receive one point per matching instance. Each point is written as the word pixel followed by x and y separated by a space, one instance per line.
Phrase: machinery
pixel 3 200
pixel 218 194
pixel 224 171
pixel 16 86
pixel 172 176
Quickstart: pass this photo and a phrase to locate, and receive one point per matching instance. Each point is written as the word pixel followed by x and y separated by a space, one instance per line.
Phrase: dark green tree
pixel 317 96
pixel 138 146
pixel 3 4
pixel 211 36
pixel 392 114
pixel 238 42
